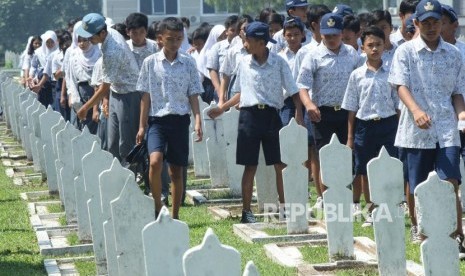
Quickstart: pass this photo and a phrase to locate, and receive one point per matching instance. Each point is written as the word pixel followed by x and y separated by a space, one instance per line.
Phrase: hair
pixel 204 25
pixel 73 21
pixel 201 33
pixel 352 23
pixel 121 28
pixel 243 19
pixel 292 24
pixel 275 18
pixel 366 18
pixel 372 30
pixel 408 6
pixel 231 21
pixel 380 15
pixel 152 31
pixel 264 14
pixel 64 40
pixel 186 21
pixel 315 12
pixel 171 24
pixel 137 20
pixel 30 50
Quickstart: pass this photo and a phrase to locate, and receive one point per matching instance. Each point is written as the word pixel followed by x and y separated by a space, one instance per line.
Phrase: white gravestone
pixel 250 269
pixel 93 163
pixel 435 205
pixel 385 177
pixel 336 174
pixel 214 137
pixel 165 241
pixel 111 184
pixel 131 212
pixel 33 109
pixel 81 145
pixel 37 132
pixel 20 99
pixel 199 149
pixel 461 187
pixel 212 258
pixel 231 121
pixel 295 176
pixel 58 165
pixel 24 127
pixel 16 108
pixel 47 120
pixel 65 155
pixel 265 181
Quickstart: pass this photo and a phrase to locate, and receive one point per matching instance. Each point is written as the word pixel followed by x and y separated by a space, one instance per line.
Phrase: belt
pixel 376 119
pixel 261 106
pixel 337 107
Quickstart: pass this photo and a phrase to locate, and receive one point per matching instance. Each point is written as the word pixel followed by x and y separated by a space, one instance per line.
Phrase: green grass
pixel 315 254
pixel 55 208
pixel 73 239
pixel 276 231
pixel 85 268
pixel 62 220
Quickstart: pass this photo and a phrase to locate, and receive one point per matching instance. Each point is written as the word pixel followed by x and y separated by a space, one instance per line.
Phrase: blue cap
pixel 296 3
pixel 409 26
pixel 259 30
pixel 343 10
pixel 450 12
pixel 331 23
pixel 92 23
pixel 428 8
pixel 295 22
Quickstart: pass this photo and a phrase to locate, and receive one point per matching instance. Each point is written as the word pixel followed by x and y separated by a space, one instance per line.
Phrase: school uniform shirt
pixel 48 66
pixel 263 84
pixel 369 94
pixel 140 53
pixel 232 59
pixel 289 57
pixel 120 67
pixel 300 55
pixel 397 38
pixel 169 83
pixel 217 54
pixel 386 57
pixel 326 74
pixel 281 42
pixel 461 46
pixel 96 79
pixel 432 78
pixel 57 62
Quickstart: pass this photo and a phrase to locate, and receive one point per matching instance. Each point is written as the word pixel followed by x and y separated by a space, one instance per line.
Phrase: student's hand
pixel 350 142
pixel 190 50
pixel 140 135
pixel 461 117
pixel 105 111
pixel 314 113
pixel 299 118
pixel 422 119
pixel 215 112
pixel 63 101
pixel 95 115
pixel 81 114
pixel 35 88
pixel 198 132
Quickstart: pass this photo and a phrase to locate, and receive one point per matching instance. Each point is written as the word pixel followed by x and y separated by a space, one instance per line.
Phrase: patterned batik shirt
pixel 432 77
pixel 326 74
pixel 369 94
pixel 264 84
pixel 281 42
pixel 169 83
pixel 119 64
pixel 217 54
pixel 140 53
pixel 231 60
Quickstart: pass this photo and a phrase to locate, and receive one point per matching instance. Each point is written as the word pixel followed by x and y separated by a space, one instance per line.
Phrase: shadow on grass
pixel 9 200
pixel 17 252
pixel 21 268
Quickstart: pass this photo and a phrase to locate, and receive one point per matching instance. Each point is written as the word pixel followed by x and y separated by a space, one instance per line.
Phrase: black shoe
pixel 247 217
pixel 460 240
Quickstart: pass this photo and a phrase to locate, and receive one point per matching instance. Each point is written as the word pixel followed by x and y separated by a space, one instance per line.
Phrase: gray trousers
pixel 123 123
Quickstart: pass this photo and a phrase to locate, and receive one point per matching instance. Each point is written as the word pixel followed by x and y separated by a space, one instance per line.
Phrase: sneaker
pixel 415 235
pixel 460 240
pixel 356 209
pixel 319 203
pixel 165 200
pixel 368 221
pixel 247 217
pixel 404 206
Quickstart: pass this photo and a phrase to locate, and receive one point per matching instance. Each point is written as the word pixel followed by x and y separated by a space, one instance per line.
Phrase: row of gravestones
pixel 104 199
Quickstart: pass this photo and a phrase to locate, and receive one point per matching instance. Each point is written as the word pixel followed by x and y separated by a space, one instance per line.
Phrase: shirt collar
pixel 271 60
pixel 383 67
pixel 419 44
pixel 179 57
pixel 323 50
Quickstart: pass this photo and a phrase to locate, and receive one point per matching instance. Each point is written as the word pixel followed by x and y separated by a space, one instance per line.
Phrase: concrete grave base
pixel 235 211
pixel 212 196
pixel 54 242
pixel 15 163
pixel 34 196
pixel 30 179
pixel 19 171
pixel 63 266
pixel 254 232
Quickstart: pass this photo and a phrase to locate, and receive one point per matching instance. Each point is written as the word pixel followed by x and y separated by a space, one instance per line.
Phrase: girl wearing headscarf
pixel 81 66
pixel 33 43
pixel 40 83
pixel 217 33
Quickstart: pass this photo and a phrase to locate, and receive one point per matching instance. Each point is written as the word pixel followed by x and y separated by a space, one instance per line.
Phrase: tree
pixel 247 6
pixel 23 18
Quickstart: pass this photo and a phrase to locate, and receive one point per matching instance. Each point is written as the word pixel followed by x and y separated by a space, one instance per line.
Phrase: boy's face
pixel 293 37
pixel 300 12
pixel 230 33
pixel 448 28
pixel 349 37
pixel 373 46
pixel 386 27
pixel 274 28
pixel 171 40
pixel 254 45
pixel 137 35
pixel 430 29
pixel 332 42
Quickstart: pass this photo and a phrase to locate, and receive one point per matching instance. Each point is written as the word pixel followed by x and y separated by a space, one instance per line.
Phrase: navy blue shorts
pixel 170 135
pixel 332 121
pixel 445 161
pixel 369 137
pixel 287 112
pixel 258 126
pixel 402 153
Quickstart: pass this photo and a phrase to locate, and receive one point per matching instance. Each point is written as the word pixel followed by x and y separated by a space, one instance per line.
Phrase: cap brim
pixel 331 31
pixel 83 33
pixel 272 40
pixel 427 15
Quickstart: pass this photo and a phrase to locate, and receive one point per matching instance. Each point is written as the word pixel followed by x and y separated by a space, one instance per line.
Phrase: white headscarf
pixel 74 45
pixel 43 53
pixel 88 57
pixel 215 32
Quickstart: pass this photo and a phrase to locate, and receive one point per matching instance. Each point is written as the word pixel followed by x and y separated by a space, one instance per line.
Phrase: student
pixel 432 101
pixel 124 106
pixel 351 32
pixel 275 21
pixel 217 53
pixel 365 19
pixel 371 103
pixel 136 28
pixel 406 9
pixel 294 8
pixel 382 19
pixel 323 80
pixel 34 42
pixel 64 42
pixel 261 77
pixel 165 106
